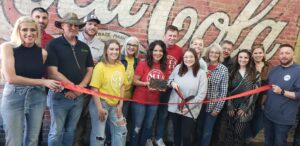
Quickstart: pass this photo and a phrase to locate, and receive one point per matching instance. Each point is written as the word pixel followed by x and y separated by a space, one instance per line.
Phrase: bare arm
pixel 87 78
pixel 137 81
pixel 101 111
pixel 9 72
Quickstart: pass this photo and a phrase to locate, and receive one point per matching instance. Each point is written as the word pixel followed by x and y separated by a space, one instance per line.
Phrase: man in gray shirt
pixel 88 36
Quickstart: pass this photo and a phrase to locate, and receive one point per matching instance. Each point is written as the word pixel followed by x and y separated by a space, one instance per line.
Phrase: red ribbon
pixel 99 94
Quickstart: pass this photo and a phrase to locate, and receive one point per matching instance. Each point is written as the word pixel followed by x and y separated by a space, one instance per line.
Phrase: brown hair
pixel 107 44
pixel 172 28
pixel 259 46
pixel 196 66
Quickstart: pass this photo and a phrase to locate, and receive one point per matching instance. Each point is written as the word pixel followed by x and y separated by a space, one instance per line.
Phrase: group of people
pixel 33 60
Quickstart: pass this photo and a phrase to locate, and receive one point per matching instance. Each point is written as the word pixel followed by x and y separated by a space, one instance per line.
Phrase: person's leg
pixel 187 125
pixel 269 132
pixel 97 136
pixel 239 133
pixel 199 125
pixel 36 101
pixel 117 127
pixel 12 110
pixel 138 116
pixel 162 115
pixel 281 134
pixel 208 126
pixel 72 120
pixel 148 121
pixel 297 133
pixel 229 130
pixel 58 107
pixel 219 132
pixel 176 120
pixel 82 125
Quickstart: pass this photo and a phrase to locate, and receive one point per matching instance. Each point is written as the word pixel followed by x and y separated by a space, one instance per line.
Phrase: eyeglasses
pixel 132 45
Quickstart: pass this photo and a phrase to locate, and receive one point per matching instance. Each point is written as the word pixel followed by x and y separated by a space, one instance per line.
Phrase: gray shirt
pixel 96 46
pixel 189 85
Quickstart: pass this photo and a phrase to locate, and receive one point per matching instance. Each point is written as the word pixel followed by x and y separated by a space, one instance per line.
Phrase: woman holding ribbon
pixel 108 77
pixel 243 77
pixel 263 67
pixel 217 88
pixel 189 84
pixel 143 114
pixel 24 97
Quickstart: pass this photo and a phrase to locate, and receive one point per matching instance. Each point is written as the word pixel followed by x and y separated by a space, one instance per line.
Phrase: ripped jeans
pixel 142 118
pixel 118 133
pixel 22 110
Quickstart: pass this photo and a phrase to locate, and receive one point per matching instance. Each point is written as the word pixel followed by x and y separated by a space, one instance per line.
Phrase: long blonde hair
pixel 15 38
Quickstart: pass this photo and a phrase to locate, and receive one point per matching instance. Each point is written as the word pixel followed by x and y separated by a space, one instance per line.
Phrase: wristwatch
pixel 282 92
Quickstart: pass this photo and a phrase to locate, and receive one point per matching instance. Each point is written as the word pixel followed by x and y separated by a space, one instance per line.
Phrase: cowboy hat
pixel 70 18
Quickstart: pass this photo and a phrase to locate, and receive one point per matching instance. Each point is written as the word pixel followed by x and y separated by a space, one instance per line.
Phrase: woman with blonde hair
pixel 24 98
pixel 197 44
pixel 217 88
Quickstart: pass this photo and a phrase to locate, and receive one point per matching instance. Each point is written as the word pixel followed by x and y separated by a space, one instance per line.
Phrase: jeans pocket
pixel 8 90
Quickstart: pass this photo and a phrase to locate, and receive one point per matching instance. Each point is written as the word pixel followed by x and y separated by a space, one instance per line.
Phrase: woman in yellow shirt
pixel 108 77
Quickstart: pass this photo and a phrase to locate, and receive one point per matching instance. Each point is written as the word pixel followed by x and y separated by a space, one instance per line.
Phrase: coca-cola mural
pixel 270 22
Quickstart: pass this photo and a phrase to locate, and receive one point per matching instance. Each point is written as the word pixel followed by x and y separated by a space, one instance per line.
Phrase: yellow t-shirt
pixel 129 75
pixel 109 78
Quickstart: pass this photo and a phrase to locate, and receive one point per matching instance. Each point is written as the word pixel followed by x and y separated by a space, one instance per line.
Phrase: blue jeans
pixel 22 110
pixel 65 114
pixel 162 115
pixel 118 133
pixel 207 122
pixel 297 134
pixel 275 134
pixel 142 117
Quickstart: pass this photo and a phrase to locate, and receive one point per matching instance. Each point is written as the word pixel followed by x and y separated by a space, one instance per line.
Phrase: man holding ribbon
pixel 69 60
pixel 282 101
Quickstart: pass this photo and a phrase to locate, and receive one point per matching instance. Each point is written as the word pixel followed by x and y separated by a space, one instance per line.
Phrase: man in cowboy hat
pixel 87 36
pixel 69 60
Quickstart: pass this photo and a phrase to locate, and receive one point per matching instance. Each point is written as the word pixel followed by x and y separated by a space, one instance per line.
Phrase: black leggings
pixel 183 128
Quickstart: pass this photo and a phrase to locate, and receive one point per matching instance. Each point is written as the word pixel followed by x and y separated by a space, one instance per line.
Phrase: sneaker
pixel 160 142
pixel 149 142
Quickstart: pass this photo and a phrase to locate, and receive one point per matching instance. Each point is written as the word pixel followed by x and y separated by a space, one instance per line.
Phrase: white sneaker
pixel 149 142
pixel 160 142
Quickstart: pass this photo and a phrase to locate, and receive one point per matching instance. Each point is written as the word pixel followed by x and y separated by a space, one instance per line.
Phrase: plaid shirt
pixel 217 88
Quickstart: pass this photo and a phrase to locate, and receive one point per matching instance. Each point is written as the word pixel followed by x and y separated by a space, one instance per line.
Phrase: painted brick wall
pixel 270 22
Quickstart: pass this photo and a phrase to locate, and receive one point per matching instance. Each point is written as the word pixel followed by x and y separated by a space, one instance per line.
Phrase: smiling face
pixel 198 46
pixel 157 53
pixel 243 59
pixel 132 48
pixel 91 28
pixel 113 52
pixel 286 56
pixel 170 37
pixel 28 32
pixel 214 55
pixel 70 30
pixel 258 55
pixel 189 59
